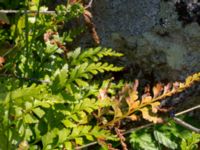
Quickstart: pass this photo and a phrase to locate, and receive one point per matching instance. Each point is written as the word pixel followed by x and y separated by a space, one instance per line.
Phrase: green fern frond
pixel 91 54
pixel 87 71
pixel 77 136
pixel 78 113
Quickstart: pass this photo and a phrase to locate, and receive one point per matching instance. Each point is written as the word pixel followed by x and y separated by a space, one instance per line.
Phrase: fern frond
pixel 78 113
pixel 87 70
pixel 91 54
pixel 159 93
pixel 77 136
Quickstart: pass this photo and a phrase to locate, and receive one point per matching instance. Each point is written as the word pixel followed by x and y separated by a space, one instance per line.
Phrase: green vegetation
pixel 55 95
pixel 170 135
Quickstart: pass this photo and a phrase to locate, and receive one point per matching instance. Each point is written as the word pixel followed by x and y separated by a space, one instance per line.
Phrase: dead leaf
pixel 102 94
pixel 88 13
pixel 132 104
pixel 188 80
pixel 133 95
pixel 146 99
pixel 147 116
pixel 136 84
pixel 122 138
pixel 88 20
pixel 167 88
pixel 157 90
pixel 164 110
pixel 4 19
pixel 117 110
pixel 155 106
pixel 182 85
pixel 2 61
pixel 95 36
pixel 175 86
pixel 72 1
pixel 147 89
pixel 133 117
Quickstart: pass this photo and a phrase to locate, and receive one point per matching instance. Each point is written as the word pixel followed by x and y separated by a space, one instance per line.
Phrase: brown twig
pixel 122 138
pixel 187 110
pixel 186 125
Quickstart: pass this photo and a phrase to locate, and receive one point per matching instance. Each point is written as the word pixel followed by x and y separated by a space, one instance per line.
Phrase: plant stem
pixel 27 12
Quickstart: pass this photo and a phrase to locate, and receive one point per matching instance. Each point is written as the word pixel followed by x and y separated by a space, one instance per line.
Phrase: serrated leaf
pixel 49 137
pixel 89 137
pixel 79 141
pixel 157 90
pixel 152 118
pixel 75 117
pixel 68 146
pixel 155 106
pixel 86 129
pixel 133 95
pixel 143 141
pixel 43 104
pixel 163 139
pixel 117 110
pixel 39 112
pixel 69 124
pixel 63 134
pixel 146 99
pixel 132 104
pixel 30 119
pixel 133 117
pixel 76 131
pixel 81 83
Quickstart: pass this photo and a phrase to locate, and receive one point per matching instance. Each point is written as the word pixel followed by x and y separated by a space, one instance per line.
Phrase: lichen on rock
pixel 150 35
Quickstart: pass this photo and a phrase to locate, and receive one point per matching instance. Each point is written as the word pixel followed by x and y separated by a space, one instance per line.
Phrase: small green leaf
pixel 30 119
pixel 81 83
pixel 163 139
pixel 90 137
pixel 48 138
pixel 39 112
pixel 143 140
pixel 69 124
pixel 68 146
pixel 63 135
pixel 79 141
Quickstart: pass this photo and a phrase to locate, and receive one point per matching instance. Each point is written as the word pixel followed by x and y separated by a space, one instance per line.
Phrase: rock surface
pixel 150 35
pixel 126 17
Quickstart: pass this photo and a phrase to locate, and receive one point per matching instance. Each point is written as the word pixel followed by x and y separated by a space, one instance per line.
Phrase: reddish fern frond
pixel 148 104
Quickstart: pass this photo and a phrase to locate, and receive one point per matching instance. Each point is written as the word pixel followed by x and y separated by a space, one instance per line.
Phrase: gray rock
pixel 126 17
pixel 169 50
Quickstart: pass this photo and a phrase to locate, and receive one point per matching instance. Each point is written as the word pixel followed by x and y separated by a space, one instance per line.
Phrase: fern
pixel 129 94
pixel 92 54
pixel 87 71
pixel 76 136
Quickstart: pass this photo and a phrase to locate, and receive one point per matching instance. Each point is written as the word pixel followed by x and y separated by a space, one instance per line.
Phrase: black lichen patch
pixel 188 11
